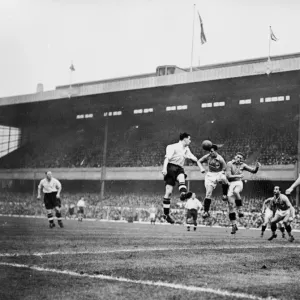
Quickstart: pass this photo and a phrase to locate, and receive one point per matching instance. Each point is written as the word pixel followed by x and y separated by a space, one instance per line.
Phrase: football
pixel 206 145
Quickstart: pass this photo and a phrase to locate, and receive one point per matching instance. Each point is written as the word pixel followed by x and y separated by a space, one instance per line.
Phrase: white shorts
pixel 152 216
pixel 283 213
pixel 233 185
pixel 268 215
pixel 284 216
pixel 213 178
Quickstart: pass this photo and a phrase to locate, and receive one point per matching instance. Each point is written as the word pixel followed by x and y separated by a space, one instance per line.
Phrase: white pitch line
pixel 107 251
pixel 144 282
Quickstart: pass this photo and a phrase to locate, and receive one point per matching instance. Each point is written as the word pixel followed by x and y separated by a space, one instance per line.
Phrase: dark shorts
pixel 51 201
pixel 172 173
pixel 71 211
pixel 80 210
pixel 192 213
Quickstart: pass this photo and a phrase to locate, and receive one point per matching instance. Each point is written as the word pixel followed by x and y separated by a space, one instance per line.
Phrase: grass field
pixel 98 260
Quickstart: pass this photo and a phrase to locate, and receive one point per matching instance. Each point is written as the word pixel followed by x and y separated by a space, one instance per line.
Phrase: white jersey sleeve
pixel 190 155
pixel 170 151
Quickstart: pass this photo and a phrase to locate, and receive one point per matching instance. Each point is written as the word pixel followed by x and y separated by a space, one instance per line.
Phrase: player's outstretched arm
pixel 223 163
pixel 265 205
pixel 59 188
pixel 164 170
pixel 39 190
pixel 287 201
pixel 202 170
pixel 293 212
pixel 201 161
pixel 293 186
pixel 250 169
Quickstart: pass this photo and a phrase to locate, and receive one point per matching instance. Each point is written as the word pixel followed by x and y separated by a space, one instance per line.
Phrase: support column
pixel 298 155
pixel 188 185
pixel 103 167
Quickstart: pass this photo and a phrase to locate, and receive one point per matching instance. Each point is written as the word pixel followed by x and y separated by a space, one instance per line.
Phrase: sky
pixel 114 38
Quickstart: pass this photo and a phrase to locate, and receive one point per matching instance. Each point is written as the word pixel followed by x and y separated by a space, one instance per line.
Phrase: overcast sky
pixel 113 38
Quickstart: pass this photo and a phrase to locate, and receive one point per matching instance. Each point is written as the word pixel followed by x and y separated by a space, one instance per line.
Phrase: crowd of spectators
pixel 142 142
pixel 133 207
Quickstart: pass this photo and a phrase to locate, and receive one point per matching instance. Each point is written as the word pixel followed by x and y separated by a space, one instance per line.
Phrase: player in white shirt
pixel 173 171
pixel 51 188
pixel 80 208
pixel 153 212
pixel 268 211
pixel 193 205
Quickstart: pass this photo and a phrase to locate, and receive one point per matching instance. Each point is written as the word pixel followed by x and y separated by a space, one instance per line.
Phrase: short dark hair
pixel 183 136
pixel 189 195
pixel 240 153
pixel 278 187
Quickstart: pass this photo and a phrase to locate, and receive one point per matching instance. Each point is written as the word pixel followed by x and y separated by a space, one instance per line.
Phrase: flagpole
pixel 269 58
pixel 192 54
pixel 71 75
pixel 70 79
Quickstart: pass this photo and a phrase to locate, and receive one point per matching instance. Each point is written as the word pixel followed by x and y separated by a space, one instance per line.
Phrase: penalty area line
pixel 219 292
pixel 136 250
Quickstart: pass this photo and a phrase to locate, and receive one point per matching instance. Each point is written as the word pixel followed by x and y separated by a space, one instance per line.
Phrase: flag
pixel 202 34
pixel 72 67
pixel 272 35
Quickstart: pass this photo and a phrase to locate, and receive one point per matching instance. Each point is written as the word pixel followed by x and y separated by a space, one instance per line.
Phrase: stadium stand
pixel 268 135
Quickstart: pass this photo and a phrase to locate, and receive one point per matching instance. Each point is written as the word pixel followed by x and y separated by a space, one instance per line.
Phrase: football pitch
pixel 105 260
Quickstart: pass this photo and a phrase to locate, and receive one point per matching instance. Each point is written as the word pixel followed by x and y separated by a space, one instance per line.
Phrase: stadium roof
pixel 252 67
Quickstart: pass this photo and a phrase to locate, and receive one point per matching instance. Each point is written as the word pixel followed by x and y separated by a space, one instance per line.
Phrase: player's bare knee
pixel 231 210
pixel 209 191
pixel 181 178
pixel 223 179
pixel 285 223
pixel 230 207
pixel 236 193
pixel 208 195
pixel 169 190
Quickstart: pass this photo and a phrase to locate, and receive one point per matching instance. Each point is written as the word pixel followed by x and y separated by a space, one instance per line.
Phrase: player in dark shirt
pixel 216 174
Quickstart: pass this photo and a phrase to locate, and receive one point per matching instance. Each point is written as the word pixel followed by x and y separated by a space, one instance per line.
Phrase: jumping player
pixel 284 212
pixel 173 171
pixel 51 188
pixel 234 173
pixel 215 175
pixel 193 205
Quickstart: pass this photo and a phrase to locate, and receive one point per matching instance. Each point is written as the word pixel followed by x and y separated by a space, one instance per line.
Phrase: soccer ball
pixel 206 145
